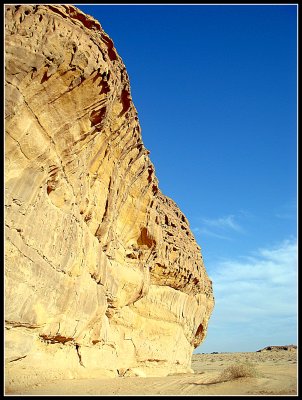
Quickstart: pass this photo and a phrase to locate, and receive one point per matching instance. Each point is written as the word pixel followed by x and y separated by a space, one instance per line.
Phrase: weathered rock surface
pixel 102 272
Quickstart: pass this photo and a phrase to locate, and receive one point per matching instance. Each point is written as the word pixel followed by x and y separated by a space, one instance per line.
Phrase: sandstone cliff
pixel 102 272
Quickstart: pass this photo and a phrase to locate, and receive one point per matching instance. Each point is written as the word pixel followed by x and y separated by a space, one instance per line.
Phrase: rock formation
pixel 102 273
pixel 290 347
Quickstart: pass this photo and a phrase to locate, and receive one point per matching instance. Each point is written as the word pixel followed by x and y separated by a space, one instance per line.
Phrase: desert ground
pixel 265 373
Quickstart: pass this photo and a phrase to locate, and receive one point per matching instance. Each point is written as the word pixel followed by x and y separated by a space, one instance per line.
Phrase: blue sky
pixel 215 88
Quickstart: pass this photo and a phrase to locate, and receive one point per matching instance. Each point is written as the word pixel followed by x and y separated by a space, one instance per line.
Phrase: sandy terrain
pixel 276 373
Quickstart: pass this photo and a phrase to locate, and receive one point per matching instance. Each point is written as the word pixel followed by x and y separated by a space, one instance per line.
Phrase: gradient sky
pixel 215 88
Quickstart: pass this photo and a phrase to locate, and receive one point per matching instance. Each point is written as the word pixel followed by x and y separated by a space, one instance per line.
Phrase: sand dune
pixel 275 373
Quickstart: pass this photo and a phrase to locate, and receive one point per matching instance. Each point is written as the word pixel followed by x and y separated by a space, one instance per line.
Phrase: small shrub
pixel 241 370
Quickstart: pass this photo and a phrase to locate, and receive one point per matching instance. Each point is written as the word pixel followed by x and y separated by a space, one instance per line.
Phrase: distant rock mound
pixel 103 275
pixel 278 348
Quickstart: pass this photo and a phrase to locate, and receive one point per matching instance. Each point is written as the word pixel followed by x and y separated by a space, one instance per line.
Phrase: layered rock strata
pixel 102 272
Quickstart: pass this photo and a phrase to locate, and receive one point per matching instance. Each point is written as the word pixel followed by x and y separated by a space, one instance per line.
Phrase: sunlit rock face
pixel 102 273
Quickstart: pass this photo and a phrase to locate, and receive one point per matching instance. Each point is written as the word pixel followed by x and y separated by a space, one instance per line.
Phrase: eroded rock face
pixel 102 272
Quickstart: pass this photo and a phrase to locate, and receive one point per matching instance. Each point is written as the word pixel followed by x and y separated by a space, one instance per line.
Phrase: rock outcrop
pixel 102 272
pixel 290 347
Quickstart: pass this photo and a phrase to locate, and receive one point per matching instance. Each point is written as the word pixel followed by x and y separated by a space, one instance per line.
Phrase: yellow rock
pixel 102 272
